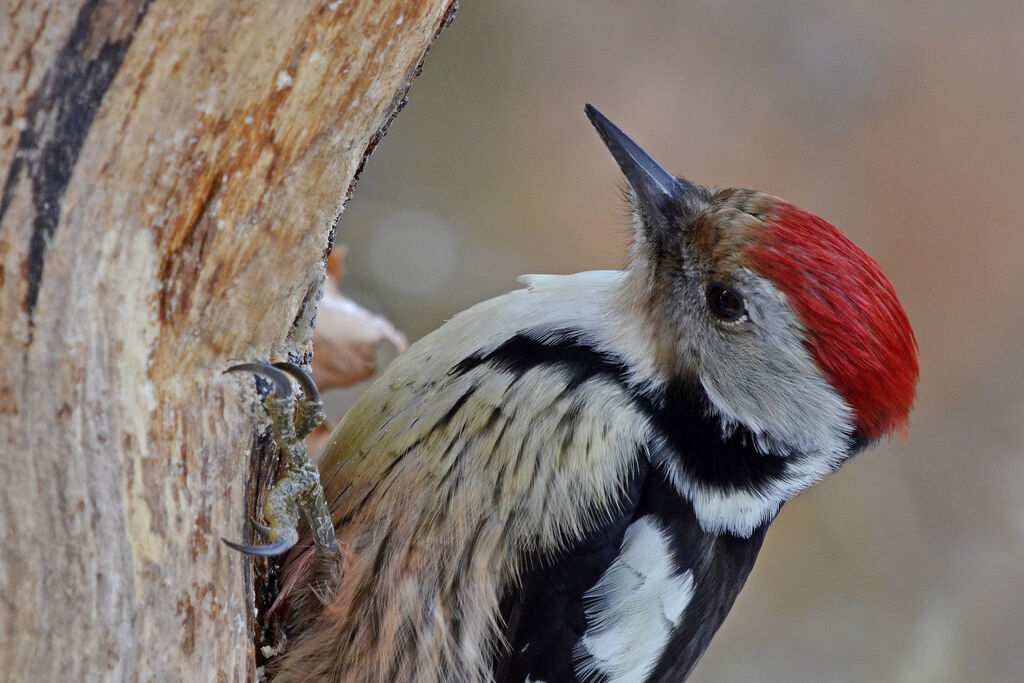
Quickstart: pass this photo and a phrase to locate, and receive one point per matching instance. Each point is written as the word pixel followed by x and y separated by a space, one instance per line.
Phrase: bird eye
pixel 726 303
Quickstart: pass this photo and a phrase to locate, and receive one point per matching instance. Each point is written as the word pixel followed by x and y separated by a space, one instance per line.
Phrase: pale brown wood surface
pixel 171 172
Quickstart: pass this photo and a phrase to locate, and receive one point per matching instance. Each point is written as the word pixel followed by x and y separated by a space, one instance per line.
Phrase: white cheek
pixel 634 607
pixel 766 380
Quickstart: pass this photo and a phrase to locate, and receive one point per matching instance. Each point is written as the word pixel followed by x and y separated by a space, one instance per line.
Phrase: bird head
pixel 790 328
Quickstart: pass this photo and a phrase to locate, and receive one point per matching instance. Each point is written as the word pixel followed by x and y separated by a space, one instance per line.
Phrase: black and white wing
pixel 637 600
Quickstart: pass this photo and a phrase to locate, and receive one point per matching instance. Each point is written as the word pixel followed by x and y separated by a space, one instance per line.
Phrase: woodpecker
pixel 571 482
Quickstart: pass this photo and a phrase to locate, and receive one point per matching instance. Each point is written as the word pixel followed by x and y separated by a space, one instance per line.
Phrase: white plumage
pixel 633 609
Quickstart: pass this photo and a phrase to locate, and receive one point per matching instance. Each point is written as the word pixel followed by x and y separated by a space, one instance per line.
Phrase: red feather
pixel 854 325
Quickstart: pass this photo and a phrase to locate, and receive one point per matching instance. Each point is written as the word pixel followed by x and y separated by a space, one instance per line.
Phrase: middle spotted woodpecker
pixel 571 482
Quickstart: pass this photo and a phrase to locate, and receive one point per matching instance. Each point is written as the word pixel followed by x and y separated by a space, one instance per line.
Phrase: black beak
pixel 653 185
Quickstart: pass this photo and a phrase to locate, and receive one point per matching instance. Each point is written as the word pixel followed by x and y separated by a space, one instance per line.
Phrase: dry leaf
pixel 347 335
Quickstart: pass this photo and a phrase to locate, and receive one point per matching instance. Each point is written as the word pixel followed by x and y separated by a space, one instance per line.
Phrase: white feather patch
pixel 634 607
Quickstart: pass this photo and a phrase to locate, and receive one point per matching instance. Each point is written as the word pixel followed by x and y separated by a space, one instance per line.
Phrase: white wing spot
pixel 634 607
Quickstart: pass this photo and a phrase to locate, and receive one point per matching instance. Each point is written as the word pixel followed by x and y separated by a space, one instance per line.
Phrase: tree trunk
pixel 171 174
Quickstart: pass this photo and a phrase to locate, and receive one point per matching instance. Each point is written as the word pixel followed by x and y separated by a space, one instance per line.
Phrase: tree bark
pixel 171 172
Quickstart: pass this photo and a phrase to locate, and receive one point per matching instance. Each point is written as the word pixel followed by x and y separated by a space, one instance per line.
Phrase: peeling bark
pixel 170 173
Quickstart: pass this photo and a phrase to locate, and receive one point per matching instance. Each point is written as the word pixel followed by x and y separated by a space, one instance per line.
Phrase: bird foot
pixel 299 485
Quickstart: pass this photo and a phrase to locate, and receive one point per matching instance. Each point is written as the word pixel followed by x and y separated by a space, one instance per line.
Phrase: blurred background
pixel 899 122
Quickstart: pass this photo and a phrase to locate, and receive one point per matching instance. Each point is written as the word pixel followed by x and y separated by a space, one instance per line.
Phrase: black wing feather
pixel 546 617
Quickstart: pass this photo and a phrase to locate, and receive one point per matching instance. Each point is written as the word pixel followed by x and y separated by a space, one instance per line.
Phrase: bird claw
pixel 278 547
pixel 299 484
pixel 282 385
pixel 281 539
pixel 309 387
pixel 281 532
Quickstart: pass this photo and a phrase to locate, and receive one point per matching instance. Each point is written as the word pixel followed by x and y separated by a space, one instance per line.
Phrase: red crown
pixel 854 325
